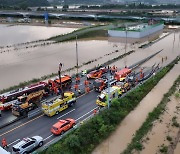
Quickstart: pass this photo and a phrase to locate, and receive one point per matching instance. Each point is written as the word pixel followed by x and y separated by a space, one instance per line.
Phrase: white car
pixel 27 145
pixel 3 151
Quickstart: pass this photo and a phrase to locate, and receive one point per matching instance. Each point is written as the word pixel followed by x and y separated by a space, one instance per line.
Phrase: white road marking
pixel 65 114
pixel 48 137
pixel 85 114
pixel 87 118
pixel 13 142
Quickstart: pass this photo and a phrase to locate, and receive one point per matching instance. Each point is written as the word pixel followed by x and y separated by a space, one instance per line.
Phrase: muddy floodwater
pixel 13 34
pixel 21 65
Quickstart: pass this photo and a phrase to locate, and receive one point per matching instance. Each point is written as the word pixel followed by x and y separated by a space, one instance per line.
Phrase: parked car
pixel 27 145
pixel 62 126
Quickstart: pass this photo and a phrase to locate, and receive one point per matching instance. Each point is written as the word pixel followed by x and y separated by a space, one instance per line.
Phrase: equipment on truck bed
pixel 97 73
pixel 55 84
pixel 101 84
pixel 125 86
pixel 6 99
pixel 57 105
pixel 121 75
pixel 115 92
pixel 26 103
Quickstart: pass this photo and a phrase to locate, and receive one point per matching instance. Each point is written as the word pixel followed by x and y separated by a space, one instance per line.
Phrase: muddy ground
pixel 165 131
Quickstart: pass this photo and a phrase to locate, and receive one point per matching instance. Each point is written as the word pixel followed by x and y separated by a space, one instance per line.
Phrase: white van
pixel 3 151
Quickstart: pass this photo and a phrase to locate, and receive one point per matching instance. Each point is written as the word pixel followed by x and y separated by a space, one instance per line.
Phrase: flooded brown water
pixel 13 34
pixel 29 63
pixel 158 135
pixel 123 135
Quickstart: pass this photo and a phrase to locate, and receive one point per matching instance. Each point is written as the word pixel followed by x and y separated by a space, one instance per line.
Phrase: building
pixel 137 31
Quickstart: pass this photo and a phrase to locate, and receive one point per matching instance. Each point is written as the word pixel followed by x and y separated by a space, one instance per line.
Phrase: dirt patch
pixel 123 135
pixel 164 130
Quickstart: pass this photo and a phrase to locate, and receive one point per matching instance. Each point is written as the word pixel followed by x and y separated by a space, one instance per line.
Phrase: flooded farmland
pixel 13 34
pixel 28 63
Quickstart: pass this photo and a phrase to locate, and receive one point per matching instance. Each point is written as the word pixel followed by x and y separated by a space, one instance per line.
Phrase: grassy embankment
pixel 136 142
pixel 82 33
pixel 85 138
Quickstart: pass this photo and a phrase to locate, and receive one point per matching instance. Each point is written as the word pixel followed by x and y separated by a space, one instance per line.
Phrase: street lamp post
pixel 59 72
pixel 77 65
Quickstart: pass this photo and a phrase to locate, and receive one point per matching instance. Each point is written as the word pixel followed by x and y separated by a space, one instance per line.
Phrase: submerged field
pixel 33 61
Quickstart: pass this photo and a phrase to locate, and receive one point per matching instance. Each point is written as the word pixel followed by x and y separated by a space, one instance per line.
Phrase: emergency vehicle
pixel 121 75
pixel 24 104
pixel 7 99
pixel 101 84
pixel 55 83
pixel 97 73
pixel 125 86
pixel 114 92
pixel 57 105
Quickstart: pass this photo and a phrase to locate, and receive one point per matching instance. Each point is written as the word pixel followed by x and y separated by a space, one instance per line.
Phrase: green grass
pixel 58 38
pixel 85 138
pixel 163 149
pixel 169 138
pixel 177 95
pixel 93 34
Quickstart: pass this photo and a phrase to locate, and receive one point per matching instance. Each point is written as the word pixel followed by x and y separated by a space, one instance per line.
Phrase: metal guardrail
pixel 34 113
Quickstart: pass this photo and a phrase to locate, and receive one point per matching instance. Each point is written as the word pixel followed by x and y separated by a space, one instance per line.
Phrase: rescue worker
pixel 95 111
pixel 56 90
pixel 136 80
pixel 86 82
pixel 4 143
pixel 77 79
pixel 113 69
pixel 141 75
pixel 141 70
pixel 3 99
pixel 76 87
pixel 87 89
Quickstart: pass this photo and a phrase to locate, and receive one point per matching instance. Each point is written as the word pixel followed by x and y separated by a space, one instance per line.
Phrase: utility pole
pixel 125 61
pixel 59 72
pixel 77 66
pixel 108 88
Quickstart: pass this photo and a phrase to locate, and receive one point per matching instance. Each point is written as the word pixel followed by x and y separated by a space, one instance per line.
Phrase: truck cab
pixel 115 92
